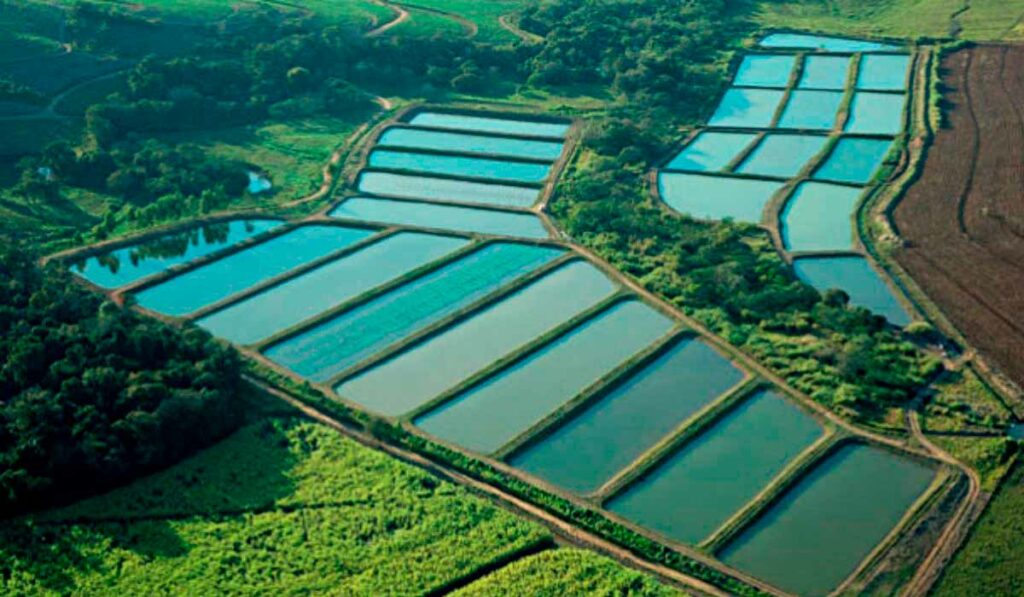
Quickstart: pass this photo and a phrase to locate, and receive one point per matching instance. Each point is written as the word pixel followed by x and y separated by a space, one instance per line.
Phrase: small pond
pixel 825 72
pixel 258 182
pixel 450 217
pixel 750 108
pixel 811 109
pixel 711 151
pixel 716 197
pixel 874 113
pixel 758 70
pixel 819 217
pixel 854 160
pixel 823 42
pixel 883 72
pixel 456 165
pixel 446 189
pixel 854 275
pixel 468 143
pixel 507 126
pixel 782 155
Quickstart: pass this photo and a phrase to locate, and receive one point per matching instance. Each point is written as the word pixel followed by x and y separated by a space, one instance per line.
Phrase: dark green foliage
pixel 90 394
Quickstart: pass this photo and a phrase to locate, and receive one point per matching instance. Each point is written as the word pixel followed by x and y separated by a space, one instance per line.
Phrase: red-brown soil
pixel 963 220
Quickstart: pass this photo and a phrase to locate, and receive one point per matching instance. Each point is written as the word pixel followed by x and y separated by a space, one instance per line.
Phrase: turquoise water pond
pixel 820 530
pixel 281 307
pixel 822 42
pixel 855 276
pixel 884 72
pixel 825 72
pixel 493 413
pixel 450 217
pixel 588 450
pixel 711 151
pixel 198 288
pixel 467 143
pixel 854 160
pixel 819 217
pixel 764 71
pixel 135 262
pixel 456 165
pixel 876 113
pixel 714 475
pixel 751 108
pixel 781 155
pixel 331 347
pixel 811 109
pixel 424 371
pixel 507 126
pixel 444 189
pixel 716 197
pixel 258 183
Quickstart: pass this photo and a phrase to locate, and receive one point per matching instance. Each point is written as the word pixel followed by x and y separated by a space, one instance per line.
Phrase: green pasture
pixel 484 15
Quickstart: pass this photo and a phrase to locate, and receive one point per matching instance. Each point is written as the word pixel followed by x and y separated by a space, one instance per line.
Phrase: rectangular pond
pixel 873 113
pixel 853 275
pixel 782 155
pixel 496 411
pixel 758 70
pixel 799 41
pixel 587 451
pixel 216 281
pixel 335 345
pixel 487 124
pixel 811 109
pixel 427 369
pixel 711 151
pixel 457 165
pixel 450 217
pixel 468 143
pixel 825 72
pixel 819 217
pixel 716 197
pixel 281 307
pixel 854 160
pixel 446 189
pixel 821 529
pixel 132 263
pixel 714 475
pixel 884 72
pixel 750 108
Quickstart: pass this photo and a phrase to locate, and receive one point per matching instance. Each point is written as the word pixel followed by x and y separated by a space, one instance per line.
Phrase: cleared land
pixel 963 221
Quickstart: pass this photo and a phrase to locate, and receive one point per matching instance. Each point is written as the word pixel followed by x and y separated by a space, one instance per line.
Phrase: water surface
pixel 819 217
pixel 855 276
pixel 714 475
pixel 854 160
pixel 467 143
pixel 432 215
pixel 811 109
pixel 758 70
pixel 445 189
pixel 818 533
pixel 258 183
pixel 876 113
pixel 716 197
pixel 822 42
pixel 493 413
pixel 751 108
pixel 782 155
pixel 588 450
pixel 508 126
pixel 456 165
pixel 711 151
pixel 885 72
pixel 825 72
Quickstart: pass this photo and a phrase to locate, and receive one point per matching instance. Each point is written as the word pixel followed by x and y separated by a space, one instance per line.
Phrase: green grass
pixel 992 560
pixel 986 455
pixel 984 20
pixel 565 572
pixel 483 14
pixel 963 402
pixel 281 506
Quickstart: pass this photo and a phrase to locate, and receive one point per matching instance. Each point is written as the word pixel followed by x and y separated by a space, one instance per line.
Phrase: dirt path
pixel 506 23
pixel 49 110
pixel 401 16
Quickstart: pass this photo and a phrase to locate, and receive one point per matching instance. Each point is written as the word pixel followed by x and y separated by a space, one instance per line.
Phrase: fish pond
pixel 811 109
pixel 854 160
pixel 711 151
pixel 799 41
pixel 883 72
pixel 456 165
pixel 873 113
pixel 825 72
pixel 482 124
pixel 782 155
pixel 853 275
pixel 449 217
pixel 749 108
pixel 446 189
pixel 412 138
pixel 716 197
pixel 758 70
pixel 818 217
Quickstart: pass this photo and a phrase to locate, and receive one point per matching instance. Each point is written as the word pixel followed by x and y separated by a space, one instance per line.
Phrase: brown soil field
pixel 962 222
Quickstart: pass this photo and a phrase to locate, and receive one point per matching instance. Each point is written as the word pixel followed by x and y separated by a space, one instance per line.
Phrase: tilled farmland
pixel 963 221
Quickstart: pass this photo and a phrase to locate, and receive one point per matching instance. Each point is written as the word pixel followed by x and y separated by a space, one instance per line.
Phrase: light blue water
pixel 135 262
pixel 258 183
pixel 422 372
pixel 752 108
pixel 1016 432
pixel 454 165
pixel 443 189
pixel 333 346
pixel 819 217
pixel 587 451
pixel 298 299
pixel 716 197
pixel 876 113
pixel 711 151
pixel 198 288
pixel 483 124
pixel 854 160
pixel 493 413
pixel 451 217
pixel 691 494
pixel 825 72
pixel 854 275
pixel 820 530
pixel 820 42
pixel 810 109
pixel 885 72
pixel 466 143
pixel 782 155
pixel 764 71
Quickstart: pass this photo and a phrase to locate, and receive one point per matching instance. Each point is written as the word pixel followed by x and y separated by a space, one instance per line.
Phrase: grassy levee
pixel 444 324
pixel 787 95
pixel 592 393
pixel 678 438
pixel 843 112
pixel 520 354
pixel 738 159
pixel 369 295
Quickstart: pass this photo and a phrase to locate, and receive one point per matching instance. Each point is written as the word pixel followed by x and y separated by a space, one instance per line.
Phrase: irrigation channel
pixel 436 294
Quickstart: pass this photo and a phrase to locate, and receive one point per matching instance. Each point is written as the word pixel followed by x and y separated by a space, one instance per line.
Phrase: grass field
pixel 484 15
pixel 964 403
pixel 281 506
pixel 986 455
